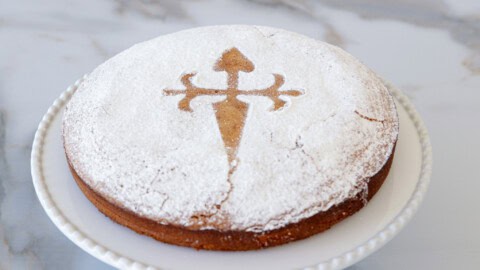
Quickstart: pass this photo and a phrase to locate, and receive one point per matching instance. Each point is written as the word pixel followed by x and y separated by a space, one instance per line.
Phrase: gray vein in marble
pixel 473 63
pixel 4 250
pixel 465 30
pixel 301 5
pixel 431 13
pixel 52 37
pixel 22 220
pixel 331 35
pixel 62 23
pixel 99 48
pixel 154 9
pixel 427 13
pixel 3 158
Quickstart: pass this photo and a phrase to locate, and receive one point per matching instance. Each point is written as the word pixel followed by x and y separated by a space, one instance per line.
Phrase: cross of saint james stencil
pixel 231 112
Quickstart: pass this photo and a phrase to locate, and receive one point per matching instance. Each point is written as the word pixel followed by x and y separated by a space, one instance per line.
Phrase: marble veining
pixel 3 158
pixel 429 13
pixel 430 49
pixel 152 9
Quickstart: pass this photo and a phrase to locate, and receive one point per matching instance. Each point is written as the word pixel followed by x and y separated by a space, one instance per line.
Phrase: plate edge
pixel 341 261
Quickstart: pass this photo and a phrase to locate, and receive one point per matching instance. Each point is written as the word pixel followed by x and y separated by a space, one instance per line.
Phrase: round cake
pixel 230 137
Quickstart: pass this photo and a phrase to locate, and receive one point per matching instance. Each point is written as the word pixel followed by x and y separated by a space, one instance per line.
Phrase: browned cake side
pixel 233 240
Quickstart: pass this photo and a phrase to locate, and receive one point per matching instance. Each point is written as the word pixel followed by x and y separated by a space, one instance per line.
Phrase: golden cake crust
pixel 235 240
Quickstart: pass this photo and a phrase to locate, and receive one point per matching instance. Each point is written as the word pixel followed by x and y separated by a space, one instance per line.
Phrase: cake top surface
pixel 230 128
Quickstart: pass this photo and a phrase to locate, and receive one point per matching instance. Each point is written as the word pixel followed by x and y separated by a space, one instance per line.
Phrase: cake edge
pixel 235 240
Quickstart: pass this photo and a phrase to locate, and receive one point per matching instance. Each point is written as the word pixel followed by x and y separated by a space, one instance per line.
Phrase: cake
pixel 230 137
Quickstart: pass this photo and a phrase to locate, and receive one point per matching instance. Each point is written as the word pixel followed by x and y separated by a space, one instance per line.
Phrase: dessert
pixel 230 137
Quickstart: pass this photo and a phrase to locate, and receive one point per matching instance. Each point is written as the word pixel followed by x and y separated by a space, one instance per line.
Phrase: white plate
pixel 339 247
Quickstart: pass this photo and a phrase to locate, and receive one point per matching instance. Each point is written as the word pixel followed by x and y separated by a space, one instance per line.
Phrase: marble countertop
pixel 430 49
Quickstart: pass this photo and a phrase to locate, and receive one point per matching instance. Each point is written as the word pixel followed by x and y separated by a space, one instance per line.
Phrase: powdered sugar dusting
pixel 132 144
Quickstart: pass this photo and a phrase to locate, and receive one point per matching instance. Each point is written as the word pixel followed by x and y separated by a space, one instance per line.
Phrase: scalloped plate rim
pixel 338 262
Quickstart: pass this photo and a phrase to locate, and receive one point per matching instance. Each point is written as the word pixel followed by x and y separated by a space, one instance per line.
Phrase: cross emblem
pixel 231 112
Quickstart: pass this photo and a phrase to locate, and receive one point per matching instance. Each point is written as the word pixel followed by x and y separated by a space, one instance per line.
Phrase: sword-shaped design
pixel 231 112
